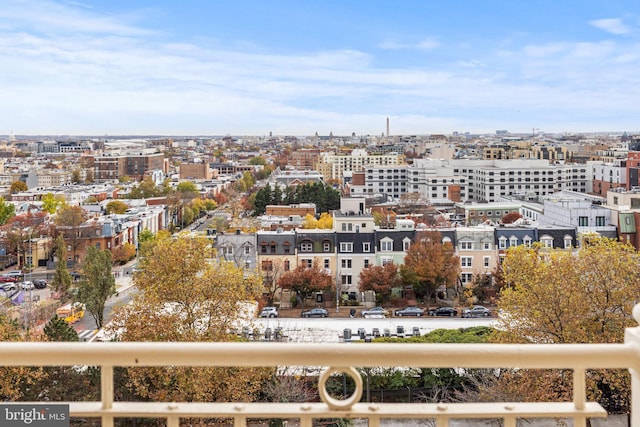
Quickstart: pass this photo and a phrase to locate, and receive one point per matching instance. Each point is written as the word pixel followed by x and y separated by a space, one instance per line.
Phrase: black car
pixel 409 311
pixel 315 312
pixel 443 311
pixel 40 283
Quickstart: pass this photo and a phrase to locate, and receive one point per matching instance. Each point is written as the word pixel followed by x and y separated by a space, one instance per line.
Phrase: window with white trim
pixel 567 242
pixel 346 263
pixel 346 247
pixel 466 278
pixel 406 243
pixel 466 246
pixel 547 241
pixel 527 241
pixel 486 246
pixel 486 261
pixel 502 243
pixel 346 279
pixel 366 247
pixel 306 247
pixel 513 241
pixel 307 262
pixel 326 246
pixel 384 261
pixel 466 261
pixel 386 245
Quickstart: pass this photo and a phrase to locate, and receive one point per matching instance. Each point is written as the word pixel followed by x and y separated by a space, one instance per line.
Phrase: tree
pixel 20 229
pixel 51 203
pixel 61 278
pixel 70 222
pixel 511 217
pixel 76 176
pixel 306 280
pixel 17 187
pixel 557 296
pixel 325 221
pixel 97 284
pixel 187 187
pixel 380 279
pixel 123 254
pixel 309 222
pixel 7 210
pixel 430 264
pixel 117 207
pixel 187 296
pixel 57 329
pixel 257 160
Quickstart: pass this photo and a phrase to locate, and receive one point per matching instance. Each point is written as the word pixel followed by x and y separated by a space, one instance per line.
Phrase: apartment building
pixel 333 166
pixel 134 164
pixel 608 175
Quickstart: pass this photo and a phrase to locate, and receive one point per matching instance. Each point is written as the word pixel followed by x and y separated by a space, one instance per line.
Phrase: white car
pixel 269 312
pixel 27 285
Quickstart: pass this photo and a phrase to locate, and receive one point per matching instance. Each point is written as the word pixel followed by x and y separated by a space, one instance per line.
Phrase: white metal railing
pixel 338 358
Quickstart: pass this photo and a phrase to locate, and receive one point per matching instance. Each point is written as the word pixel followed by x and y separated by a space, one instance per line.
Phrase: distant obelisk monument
pixel 387 127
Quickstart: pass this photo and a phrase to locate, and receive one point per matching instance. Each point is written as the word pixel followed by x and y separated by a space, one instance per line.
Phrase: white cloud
pixel 426 44
pixel 611 25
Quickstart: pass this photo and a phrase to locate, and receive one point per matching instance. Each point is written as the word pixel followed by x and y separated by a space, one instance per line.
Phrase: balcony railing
pixel 339 358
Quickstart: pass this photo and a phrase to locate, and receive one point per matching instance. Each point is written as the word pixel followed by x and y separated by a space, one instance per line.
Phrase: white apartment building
pixel 489 180
pixel 435 179
pixel 572 210
pixel 332 165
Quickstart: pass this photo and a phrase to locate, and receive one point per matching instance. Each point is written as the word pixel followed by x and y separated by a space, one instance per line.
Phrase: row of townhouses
pixel 355 243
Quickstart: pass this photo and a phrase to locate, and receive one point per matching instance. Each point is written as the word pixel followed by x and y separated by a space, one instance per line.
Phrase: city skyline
pixel 197 67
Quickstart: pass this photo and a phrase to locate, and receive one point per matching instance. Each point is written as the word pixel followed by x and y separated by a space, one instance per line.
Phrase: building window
pixel 346 263
pixel 384 261
pixel 346 247
pixel 308 263
pixel 366 247
pixel 366 263
pixel 326 246
pixel 272 247
pixel 527 241
pixel 583 221
pixel 466 277
pixel 406 243
pixel 546 241
pixel 267 265
pixel 502 243
pixel 287 247
pixel 466 261
pixel 386 245
pixel 346 279
pixel 263 248
pixel 247 250
pixel 600 221
pixel 326 263
pixel 513 241
pixel 306 247
pixel 486 246
pixel 567 242
pixel 347 226
pixel 287 265
pixel 486 261
pixel 466 246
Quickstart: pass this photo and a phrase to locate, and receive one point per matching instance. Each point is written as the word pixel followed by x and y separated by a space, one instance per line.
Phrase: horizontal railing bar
pixel 359 410
pixel 533 356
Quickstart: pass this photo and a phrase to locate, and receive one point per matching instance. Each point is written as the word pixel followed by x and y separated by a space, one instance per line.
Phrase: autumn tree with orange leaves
pixel 430 264
pixel 380 279
pixel 306 280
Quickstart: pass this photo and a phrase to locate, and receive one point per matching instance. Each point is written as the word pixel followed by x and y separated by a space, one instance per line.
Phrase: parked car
pixel 315 312
pixel 375 312
pixel 27 285
pixel 476 311
pixel 40 283
pixel 269 312
pixel 9 287
pixel 443 311
pixel 5 278
pixel 410 311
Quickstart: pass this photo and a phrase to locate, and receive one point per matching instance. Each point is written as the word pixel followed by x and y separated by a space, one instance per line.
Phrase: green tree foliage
pixel 76 176
pixel 257 160
pixel 186 296
pixel 430 264
pixel 187 187
pixel 325 197
pixel 57 329
pixel 7 210
pixel 17 187
pixel 61 278
pixel 557 296
pixel 97 284
pixel 51 203
pixel 117 207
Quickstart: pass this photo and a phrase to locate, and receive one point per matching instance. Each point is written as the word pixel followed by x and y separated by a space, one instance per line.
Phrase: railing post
pixel 106 392
pixel 632 338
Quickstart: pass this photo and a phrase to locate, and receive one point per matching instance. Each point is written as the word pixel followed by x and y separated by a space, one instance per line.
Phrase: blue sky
pixel 300 67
